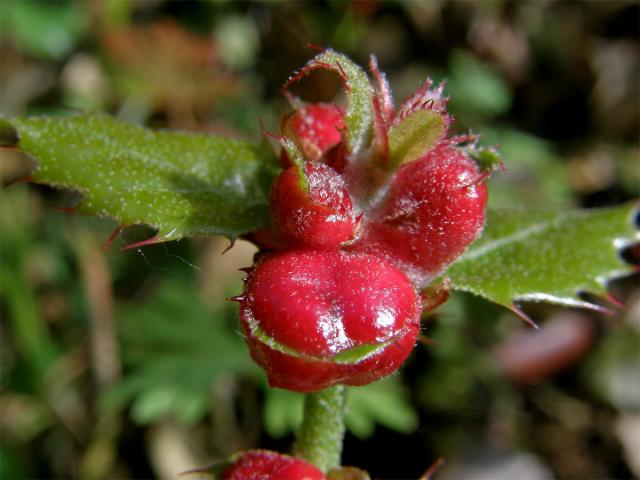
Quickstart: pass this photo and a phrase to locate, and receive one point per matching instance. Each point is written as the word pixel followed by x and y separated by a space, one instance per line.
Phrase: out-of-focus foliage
pixel 477 91
pixel 554 84
pixel 384 402
pixel 163 67
pixel 176 351
pixel 49 30
pixel 613 370
pixel 535 172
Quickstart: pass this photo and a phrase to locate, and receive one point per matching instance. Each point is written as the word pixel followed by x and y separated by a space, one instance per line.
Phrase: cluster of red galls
pixel 334 296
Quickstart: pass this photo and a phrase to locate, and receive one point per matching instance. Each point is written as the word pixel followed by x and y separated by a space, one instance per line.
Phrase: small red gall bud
pixel 317 318
pixel 431 212
pixel 315 128
pixel 267 465
pixel 317 212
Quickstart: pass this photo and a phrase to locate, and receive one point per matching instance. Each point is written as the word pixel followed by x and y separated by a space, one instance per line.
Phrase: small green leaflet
pixel 359 116
pixel 295 155
pixel 414 136
pixel 183 184
pixel 546 255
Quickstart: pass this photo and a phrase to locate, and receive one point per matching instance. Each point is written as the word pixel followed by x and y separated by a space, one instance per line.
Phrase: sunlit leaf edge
pixel 475 280
pixel 78 151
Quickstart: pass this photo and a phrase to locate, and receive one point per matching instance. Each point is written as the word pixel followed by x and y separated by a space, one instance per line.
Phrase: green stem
pixel 319 438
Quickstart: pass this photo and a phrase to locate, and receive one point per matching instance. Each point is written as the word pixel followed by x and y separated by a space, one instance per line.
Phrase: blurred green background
pixel 131 364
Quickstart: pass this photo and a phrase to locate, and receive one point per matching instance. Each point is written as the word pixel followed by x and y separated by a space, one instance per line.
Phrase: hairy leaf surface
pixel 183 184
pixel 546 255
pixel 414 136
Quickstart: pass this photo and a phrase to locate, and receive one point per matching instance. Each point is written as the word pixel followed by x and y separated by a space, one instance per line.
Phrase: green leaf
pixel 384 402
pixel 545 255
pixel 296 158
pixel 359 116
pixel 174 351
pixel 183 184
pixel 414 136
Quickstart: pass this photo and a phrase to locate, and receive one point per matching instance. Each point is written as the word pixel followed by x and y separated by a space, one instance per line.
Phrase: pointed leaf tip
pixel 527 319
pixel 383 90
pixel 546 256
pixel 294 154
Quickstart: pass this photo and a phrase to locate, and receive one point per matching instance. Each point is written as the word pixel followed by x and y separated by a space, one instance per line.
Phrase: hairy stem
pixel 319 438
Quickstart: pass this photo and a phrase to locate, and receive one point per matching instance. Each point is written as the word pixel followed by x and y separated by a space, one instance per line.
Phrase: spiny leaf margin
pixel 183 184
pixel 546 256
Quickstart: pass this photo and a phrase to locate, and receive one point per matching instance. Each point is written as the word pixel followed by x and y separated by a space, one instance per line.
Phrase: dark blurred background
pixel 131 365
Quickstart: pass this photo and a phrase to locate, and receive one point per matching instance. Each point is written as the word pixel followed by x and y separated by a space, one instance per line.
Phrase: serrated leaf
pixel 359 116
pixel 174 351
pixel 414 136
pixel 545 255
pixel 183 184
